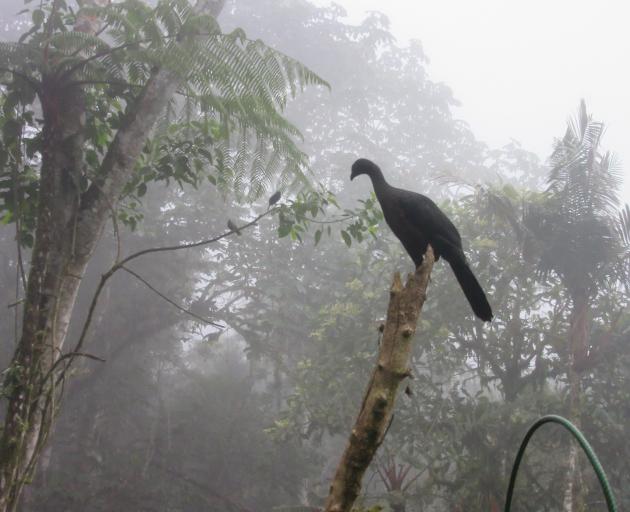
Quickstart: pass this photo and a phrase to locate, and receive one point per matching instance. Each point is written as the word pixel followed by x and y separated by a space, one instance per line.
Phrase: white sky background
pixel 520 68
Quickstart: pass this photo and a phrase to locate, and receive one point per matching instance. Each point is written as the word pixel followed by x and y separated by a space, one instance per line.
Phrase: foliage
pixel 226 127
pixel 281 383
pixel 573 227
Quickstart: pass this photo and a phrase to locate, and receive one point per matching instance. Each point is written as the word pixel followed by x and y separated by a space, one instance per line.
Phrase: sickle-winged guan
pixel 417 221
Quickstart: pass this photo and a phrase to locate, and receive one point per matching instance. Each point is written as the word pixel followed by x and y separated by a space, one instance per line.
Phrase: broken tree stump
pixel 392 367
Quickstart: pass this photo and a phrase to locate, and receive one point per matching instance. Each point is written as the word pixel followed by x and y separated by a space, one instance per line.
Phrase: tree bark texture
pixel 391 369
pixel 69 223
pixel 574 498
pixel 53 282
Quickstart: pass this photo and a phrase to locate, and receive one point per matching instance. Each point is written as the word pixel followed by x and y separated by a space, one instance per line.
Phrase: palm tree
pixel 574 225
pixel 576 233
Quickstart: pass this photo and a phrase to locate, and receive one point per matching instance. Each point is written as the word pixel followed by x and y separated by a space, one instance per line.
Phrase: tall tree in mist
pixel 574 232
pixel 89 118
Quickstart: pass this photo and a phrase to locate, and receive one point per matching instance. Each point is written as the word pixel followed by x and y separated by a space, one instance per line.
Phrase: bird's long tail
pixel 471 287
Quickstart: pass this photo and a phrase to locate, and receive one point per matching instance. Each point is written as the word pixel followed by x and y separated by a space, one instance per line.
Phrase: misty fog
pixel 172 339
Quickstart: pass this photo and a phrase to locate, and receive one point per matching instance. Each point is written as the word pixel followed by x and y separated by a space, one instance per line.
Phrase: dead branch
pixel 391 369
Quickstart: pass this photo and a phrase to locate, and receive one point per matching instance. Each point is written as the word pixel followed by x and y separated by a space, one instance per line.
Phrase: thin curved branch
pixel 343 218
pixel 169 300
pixel 196 244
pixel 120 265
pixel 121 83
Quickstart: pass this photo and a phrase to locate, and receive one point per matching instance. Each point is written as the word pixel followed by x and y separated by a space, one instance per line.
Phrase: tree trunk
pixel 377 408
pixel 578 352
pixel 57 266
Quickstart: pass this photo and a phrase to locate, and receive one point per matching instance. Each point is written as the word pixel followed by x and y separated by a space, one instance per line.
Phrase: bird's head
pixel 364 166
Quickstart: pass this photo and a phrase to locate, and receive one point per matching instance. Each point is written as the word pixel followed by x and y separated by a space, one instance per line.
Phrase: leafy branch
pixel 121 265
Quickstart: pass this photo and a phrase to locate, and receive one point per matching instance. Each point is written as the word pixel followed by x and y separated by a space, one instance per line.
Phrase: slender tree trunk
pixel 377 408
pixel 578 352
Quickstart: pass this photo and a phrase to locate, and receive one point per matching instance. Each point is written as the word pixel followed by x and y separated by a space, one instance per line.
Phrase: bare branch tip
pixel 397 283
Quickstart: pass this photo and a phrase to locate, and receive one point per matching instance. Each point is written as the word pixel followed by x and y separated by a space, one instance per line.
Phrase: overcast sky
pixel 520 68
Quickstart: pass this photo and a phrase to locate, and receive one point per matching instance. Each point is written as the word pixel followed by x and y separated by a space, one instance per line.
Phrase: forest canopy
pixel 173 341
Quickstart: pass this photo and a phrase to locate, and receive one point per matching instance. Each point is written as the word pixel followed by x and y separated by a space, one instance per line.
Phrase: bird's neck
pixel 378 181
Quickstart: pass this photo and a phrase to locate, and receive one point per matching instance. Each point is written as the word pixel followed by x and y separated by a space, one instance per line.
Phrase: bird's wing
pixel 425 215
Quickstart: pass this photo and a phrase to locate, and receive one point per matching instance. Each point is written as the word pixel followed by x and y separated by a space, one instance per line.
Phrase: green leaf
pixel 284 230
pixel 7 217
pixel 318 236
pixel 346 238
pixel 38 17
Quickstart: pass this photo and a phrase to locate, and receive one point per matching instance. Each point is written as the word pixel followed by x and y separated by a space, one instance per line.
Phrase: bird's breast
pixel 398 223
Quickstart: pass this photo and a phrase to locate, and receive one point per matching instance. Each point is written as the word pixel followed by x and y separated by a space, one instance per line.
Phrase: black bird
pixel 275 198
pixel 233 227
pixel 417 221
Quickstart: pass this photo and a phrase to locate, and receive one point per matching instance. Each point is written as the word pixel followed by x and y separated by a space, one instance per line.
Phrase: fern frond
pixel 241 84
pixel 19 56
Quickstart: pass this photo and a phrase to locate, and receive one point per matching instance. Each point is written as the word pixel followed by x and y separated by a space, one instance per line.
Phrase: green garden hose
pixel 599 471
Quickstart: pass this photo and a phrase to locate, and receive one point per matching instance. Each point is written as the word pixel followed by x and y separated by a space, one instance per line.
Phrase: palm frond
pixel 583 181
pixel 622 226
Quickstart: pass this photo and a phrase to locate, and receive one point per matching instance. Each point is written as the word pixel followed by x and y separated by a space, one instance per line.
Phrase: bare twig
pixel 120 265
pixel 15 304
pixel 414 479
pixel 170 301
pixel 20 274
pixel 343 218
pixel 17 162
pixel 114 223
pixel 196 244
pixel 82 354
pixel 120 83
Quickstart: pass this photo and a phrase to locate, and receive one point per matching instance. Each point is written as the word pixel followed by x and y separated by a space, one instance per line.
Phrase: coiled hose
pixel 599 471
